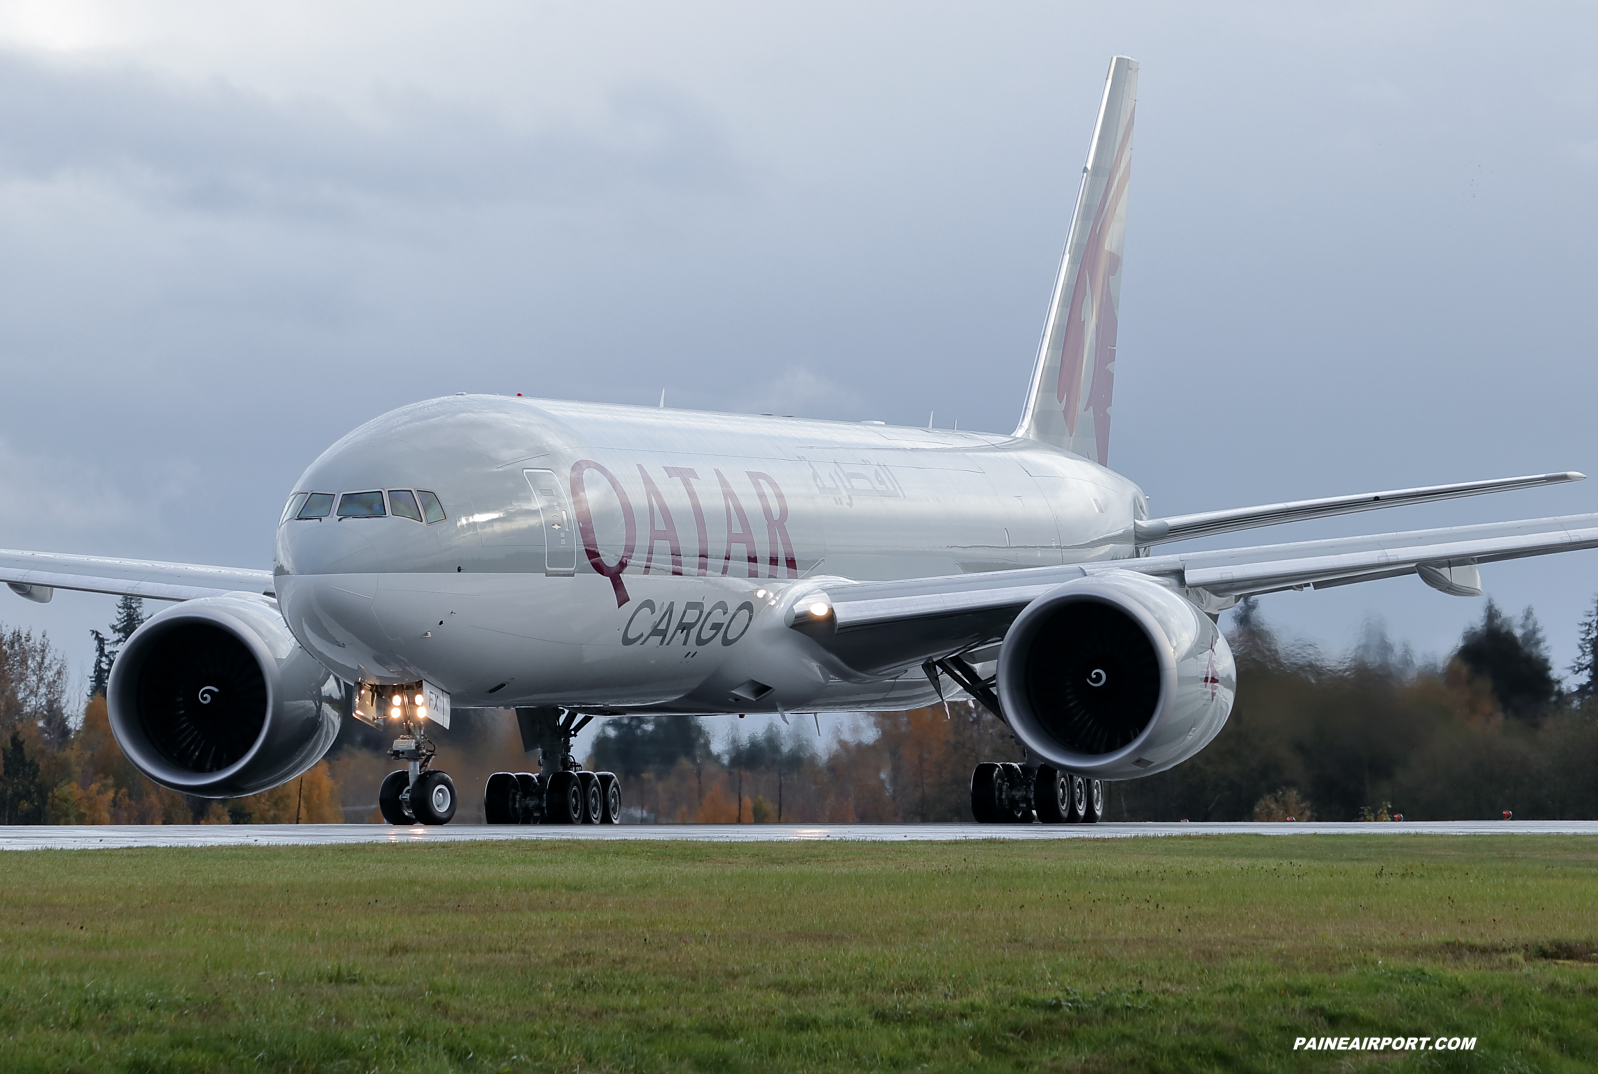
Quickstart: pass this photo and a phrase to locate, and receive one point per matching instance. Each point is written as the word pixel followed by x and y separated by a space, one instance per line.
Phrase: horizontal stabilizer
pixel 1208 523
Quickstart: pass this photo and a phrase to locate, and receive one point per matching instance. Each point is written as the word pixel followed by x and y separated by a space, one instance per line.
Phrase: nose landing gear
pixel 417 793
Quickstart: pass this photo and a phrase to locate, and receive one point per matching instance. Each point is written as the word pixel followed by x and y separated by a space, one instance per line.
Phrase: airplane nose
pixel 331 616
pixel 324 546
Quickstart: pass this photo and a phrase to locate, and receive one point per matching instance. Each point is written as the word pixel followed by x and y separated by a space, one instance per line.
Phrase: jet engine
pixel 1115 676
pixel 215 698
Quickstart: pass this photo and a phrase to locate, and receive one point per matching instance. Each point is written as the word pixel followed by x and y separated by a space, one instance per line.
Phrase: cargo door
pixel 560 535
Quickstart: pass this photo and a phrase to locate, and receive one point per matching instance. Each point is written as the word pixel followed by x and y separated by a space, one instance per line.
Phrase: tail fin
pixel 1069 404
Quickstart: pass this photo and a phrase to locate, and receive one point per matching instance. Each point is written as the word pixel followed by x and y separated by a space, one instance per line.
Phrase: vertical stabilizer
pixel 1069 403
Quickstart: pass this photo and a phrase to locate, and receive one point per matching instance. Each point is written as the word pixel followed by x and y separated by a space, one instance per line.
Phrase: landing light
pixel 419 699
pixel 421 712
pixel 819 609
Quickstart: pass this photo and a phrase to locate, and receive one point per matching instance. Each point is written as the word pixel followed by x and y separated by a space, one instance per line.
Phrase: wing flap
pixel 1268 574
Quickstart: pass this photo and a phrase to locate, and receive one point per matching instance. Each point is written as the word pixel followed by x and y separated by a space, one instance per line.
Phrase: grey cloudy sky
pixel 1359 249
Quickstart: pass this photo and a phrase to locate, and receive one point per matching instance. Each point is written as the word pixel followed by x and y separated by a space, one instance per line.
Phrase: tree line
pixel 1371 734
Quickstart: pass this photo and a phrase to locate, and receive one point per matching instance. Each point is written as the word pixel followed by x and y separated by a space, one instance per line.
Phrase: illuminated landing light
pixel 760 594
pixel 421 712
pixel 819 609
pixel 420 699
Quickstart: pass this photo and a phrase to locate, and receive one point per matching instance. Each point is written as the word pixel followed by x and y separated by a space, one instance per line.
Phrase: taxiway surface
pixel 111 837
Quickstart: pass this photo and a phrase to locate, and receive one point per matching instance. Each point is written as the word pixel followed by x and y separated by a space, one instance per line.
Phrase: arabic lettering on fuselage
pixel 658 527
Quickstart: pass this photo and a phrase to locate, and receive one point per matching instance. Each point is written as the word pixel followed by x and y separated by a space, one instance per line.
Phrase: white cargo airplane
pixel 575 560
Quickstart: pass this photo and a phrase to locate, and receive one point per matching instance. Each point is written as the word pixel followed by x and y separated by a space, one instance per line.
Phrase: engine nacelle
pixel 1115 676
pixel 215 698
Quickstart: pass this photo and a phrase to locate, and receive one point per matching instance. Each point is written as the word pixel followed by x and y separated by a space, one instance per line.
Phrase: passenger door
pixel 560 535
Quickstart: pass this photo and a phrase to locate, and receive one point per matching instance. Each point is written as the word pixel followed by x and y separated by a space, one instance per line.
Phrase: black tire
pixel 1051 795
pixel 987 793
pixel 563 801
pixel 1018 792
pixel 1079 800
pixel 592 804
pixel 501 796
pixel 433 798
pixel 609 798
pixel 1095 812
pixel 388 797
pixel 530 800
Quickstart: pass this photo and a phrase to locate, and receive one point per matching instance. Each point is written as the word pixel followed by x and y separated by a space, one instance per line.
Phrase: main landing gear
pixel 1008 793
pixel 561 792
pixel 1018 794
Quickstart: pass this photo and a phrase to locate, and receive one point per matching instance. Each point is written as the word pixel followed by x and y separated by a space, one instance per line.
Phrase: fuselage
pixel 631 559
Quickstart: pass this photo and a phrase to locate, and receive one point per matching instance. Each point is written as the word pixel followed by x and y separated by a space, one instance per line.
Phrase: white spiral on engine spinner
pixel 208 694
pixel 1097 677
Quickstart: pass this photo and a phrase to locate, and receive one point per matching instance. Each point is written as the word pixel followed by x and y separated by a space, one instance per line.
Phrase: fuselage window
pixel 431 508
pixel 403 503
pixel 317 505
pixel 292 508
pixel 361 505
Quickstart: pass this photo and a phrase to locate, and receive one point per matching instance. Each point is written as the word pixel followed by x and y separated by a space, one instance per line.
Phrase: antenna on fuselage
pixel 662 399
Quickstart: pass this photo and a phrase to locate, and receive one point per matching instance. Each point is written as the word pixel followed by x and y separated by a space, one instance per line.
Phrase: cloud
pixel 56 498
pixel 215 147
pixel 800 391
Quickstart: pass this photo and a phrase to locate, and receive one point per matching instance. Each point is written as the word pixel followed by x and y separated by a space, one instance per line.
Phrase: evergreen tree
pixel 100 677
pixel 1585 668
pixel 1516 664
pixel 22 793
pixel 632 747
pixel 130 616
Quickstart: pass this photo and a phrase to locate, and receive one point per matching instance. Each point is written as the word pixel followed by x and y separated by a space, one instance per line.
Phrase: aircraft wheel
pixel 1076 807
pixel 987 793
pixel 563 801
pixel 433 799
pixel 1018 807
pixel 609 798
pixel 1051 794
pixel 388 797
pixel 501 804
pixel 530 798
pixel 592 803
pixel 1095 802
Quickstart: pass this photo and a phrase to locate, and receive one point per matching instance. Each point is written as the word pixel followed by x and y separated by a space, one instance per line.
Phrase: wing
pixel 1208 523
pixel 879 627
pixel 37 575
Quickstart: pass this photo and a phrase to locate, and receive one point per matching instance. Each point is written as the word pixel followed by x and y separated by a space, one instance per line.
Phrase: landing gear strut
pixel 561 792
pixel 417 793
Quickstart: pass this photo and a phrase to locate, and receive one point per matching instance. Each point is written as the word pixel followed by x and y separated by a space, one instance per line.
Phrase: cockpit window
pixel 403 503
pixel 431 508
pixel 292 508
pixel 317 505
pixel 361 505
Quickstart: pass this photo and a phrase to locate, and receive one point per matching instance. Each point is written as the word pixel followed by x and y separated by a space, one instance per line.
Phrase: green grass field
pixel 1193 953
